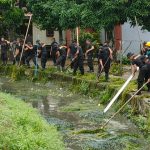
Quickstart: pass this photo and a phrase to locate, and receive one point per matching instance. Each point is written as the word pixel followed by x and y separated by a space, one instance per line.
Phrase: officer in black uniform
pixel 35 53
pixel 18 50
pixel 61 57
pixel 54 48
pixel 4 49
pixel 89 55
pixel 28 53
pixel 144 68
pixel 43 55
pixel 78 60
pixel 72 51
pixel 105 57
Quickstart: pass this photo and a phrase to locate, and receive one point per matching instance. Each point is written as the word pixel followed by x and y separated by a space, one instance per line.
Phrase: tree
pixel 96 14
pixel 11 17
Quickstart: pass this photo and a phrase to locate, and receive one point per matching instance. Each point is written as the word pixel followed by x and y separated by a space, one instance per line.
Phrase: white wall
pixel 41 35
pixel 130 34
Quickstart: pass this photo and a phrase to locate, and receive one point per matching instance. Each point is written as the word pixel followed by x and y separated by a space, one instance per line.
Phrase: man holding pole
pixel 144 69
pixel 105 57
pixel 89 55
pixel 78 60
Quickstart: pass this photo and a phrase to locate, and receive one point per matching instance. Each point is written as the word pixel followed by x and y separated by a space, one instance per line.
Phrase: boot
pixel 106 77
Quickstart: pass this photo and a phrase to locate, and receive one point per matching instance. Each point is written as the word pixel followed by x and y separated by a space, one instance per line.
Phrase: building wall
pixel 131 37
pixel 41 35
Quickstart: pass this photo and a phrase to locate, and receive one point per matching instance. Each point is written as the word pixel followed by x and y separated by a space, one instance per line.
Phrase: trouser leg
pixel 141 78
pixel 54 57
pixel 43 61
pixel 76 65
pixel 106 69
pixel 90 62
pixel 63 63
pixel 4 58
pixel 58 62
pixel 35 61
pixel 80 64
pixel 28 60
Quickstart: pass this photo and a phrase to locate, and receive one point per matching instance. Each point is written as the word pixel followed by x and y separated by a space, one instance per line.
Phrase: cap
pixel 130 54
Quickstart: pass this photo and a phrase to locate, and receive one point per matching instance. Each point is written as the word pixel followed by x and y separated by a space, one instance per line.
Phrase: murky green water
pixel 72 113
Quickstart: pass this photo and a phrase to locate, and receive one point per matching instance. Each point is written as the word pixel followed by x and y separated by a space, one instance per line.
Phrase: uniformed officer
pixel 144 68
pixel 148 49
pixel 17 52
pixel 78 60
pixel 43 55
pixel 105 57
pixel 89 55
pixel 72 51
pixel 61 57
pixel 54 48
pixel 28 53
pixel 4 49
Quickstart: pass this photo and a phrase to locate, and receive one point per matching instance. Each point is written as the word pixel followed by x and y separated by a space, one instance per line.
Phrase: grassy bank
pixel 22 128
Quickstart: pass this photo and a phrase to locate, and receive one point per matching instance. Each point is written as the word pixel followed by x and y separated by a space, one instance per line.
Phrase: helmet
pixel 130 54
pixel 148 44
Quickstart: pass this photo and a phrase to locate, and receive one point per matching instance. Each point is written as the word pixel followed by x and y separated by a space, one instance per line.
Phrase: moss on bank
pixel 21 127
pixel 88 85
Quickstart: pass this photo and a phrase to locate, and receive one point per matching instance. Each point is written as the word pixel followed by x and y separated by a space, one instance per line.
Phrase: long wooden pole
pixel 77 31
pixel 138 31
pixel 123 105
pixel 25 38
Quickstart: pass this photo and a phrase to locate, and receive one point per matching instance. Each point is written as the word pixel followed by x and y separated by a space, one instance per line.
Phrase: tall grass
pixel 22 128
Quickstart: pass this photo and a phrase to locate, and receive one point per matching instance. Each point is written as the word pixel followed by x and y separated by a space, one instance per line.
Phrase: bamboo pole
pixel 77 31
pixel 138 32
pixel 103 126
pixel 30 15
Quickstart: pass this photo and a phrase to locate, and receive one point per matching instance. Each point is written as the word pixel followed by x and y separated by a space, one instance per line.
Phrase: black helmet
pixel 130 54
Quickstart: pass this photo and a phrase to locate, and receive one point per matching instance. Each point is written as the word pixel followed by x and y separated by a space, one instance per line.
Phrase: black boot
pixel 106 77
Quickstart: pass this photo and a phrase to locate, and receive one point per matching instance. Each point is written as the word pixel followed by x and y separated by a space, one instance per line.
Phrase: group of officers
pixel 60 52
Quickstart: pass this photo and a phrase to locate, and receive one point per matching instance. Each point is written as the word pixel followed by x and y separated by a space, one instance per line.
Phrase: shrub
pixel 21 128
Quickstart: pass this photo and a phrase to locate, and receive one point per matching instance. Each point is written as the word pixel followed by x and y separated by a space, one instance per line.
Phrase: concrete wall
pixel 41 35
pixel 130 34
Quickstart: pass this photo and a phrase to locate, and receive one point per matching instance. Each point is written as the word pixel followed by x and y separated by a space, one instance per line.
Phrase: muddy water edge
pixel 75 115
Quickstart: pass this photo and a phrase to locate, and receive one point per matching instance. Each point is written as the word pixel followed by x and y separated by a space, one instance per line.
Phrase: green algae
pixel 83 85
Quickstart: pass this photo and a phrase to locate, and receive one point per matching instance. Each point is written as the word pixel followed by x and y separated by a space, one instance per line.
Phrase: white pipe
pixel 118 93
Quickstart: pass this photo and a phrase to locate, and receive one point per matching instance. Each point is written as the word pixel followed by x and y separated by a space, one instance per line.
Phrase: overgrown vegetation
pixel 21 127
pixel 88 85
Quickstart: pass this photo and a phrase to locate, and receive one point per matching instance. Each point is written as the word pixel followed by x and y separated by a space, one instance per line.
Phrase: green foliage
pixel 94 37
pixel 126 61
pixel 11 17
pixel 116 69
pixel 98 14
pixel 106 95
pixel 21 127
pixel 84 87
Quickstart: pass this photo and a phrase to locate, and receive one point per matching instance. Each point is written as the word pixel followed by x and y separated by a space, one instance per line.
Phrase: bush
pixel 21 128
pixel 94 37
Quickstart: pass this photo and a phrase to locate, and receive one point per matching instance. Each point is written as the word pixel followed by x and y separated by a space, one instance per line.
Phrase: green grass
pixel 22 128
